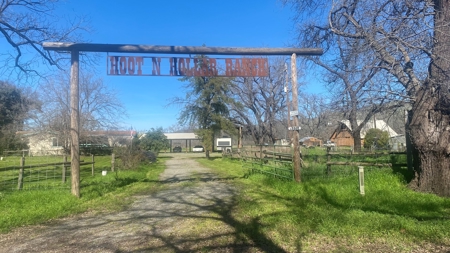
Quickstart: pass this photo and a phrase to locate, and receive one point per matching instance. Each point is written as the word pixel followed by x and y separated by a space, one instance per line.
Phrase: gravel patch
pixel 185 217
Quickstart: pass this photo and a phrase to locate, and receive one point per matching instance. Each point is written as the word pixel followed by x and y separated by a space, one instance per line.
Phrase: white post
pixel 361 180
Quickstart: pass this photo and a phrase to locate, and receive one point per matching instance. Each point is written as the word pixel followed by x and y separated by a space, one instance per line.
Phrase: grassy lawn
pixel 98 193
pixel 319 215
pixel 323 215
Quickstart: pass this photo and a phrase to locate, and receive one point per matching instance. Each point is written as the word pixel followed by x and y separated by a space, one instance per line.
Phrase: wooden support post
pixel 64 170
pixel 113 161
pixel 75 123
pixel 21 172
pixel 296 155
pixel 240 138
pixel 288 103
pixel 93 162
pixel 328 161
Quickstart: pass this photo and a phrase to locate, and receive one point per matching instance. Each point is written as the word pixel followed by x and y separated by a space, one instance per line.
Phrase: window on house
pixel 54 142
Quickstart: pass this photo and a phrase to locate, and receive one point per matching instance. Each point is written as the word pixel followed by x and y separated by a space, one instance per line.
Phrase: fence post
pixel 328 160
pixel 64 169
pixel 113 160
pixel 22 167
pixel 93 161
pixel 361 180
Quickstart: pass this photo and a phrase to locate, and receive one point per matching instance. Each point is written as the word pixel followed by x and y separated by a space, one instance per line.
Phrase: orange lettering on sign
pixel 113 62
pixel 139 62
pixel 228 67
pixel 181 67
pixel 254 67
pixel 173 66
pixel 263 66
pixel 123 65
pixel 213 67
pixel 245 67
pixel 131 64
pixel 156 66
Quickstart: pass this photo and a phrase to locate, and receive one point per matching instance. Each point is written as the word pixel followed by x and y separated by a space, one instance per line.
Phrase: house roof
pixel 111 133
pixel 181 136
pixel 307 138
pixel 379 124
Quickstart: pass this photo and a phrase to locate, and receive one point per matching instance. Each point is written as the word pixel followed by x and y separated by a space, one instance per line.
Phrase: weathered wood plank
pixel 133 48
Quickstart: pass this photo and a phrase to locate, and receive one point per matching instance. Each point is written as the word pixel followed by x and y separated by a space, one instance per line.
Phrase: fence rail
pixel 37 175
pixel 276 161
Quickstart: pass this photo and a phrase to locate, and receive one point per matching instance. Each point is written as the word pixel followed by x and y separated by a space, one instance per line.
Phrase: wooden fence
pixel 276 161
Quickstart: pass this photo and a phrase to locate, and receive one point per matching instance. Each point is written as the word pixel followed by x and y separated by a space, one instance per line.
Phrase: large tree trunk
pixel 356 140
pixel 429 126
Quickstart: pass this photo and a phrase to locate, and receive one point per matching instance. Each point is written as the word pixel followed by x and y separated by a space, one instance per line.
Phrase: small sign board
pixel 294 128
pixel 293 113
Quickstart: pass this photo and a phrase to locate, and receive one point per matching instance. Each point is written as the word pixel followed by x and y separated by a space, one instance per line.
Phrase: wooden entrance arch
pixel 76 48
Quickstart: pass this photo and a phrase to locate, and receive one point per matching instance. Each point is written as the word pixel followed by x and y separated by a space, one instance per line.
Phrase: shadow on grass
pixel 402 170
pixel 419 208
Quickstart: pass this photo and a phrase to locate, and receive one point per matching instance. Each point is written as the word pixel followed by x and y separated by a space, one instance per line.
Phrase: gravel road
pixel 185 217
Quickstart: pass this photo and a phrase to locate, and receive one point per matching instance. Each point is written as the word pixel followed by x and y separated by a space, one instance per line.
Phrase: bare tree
pixel 99 107
pixel 316 117
pixel 358 84
pixel 25 24
pixel 259 104
pixel 411 40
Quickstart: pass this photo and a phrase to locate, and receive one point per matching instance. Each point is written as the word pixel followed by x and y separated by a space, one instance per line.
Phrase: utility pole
pixel 286 90
pixel 296 155
pixel 75 123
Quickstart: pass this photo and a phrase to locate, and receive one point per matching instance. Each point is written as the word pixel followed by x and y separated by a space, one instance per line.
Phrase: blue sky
pixel 231 23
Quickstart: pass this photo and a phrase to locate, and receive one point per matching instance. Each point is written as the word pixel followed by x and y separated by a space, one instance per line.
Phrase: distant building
pixel 342 134
pixel 310 142
pixel 40 144
pixel 50 143
pixel 183 140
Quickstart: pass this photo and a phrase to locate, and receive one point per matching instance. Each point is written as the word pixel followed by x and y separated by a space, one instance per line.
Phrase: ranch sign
pixel 177 66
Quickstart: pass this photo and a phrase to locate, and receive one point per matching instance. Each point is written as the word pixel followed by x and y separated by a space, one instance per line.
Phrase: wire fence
pixel 316 163
pixel 27 173
pixel 21 172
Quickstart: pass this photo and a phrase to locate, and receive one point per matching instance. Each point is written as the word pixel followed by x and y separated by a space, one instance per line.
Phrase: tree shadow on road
pixel 179 219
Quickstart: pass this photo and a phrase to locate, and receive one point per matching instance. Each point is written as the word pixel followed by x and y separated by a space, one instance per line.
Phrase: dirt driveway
pixel 191 215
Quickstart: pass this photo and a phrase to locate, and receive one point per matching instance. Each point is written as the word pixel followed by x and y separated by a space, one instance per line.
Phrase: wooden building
pixel 310 142
pixel 342 135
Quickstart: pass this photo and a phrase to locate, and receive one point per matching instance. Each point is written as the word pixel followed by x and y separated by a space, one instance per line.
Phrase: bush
pixel 154 140
pixel 376 138
pixel 132 159
pixel 148 156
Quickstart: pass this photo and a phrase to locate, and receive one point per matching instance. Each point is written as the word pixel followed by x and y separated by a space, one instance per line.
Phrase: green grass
pixel 290 213
pixel 98 193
